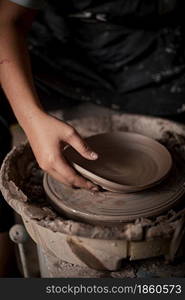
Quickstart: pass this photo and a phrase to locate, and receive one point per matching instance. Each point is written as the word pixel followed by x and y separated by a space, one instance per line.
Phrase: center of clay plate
pixel 127 162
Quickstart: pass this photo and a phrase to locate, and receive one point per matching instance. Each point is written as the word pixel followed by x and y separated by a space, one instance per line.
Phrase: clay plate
pixel 128 162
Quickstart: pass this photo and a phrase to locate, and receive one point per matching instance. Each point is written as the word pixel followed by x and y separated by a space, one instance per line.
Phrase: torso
pixel 131 50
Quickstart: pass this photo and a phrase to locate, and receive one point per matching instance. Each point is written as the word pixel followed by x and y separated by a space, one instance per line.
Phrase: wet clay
pixel 127 162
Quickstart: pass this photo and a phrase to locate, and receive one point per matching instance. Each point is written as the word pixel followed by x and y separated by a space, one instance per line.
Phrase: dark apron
pixel 6 212
pixel 125 54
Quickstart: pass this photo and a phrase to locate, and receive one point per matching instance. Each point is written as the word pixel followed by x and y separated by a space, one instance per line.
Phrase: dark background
pixel 128 55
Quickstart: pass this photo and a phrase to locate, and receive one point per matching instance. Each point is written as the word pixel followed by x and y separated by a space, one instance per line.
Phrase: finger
pixel 57 176
pixel 70 177
pixel 82 147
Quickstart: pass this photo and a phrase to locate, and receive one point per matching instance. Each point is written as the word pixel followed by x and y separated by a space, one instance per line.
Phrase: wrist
pixel 31 119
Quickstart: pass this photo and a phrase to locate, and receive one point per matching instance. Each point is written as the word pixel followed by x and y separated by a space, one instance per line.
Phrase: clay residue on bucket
pixel 21 182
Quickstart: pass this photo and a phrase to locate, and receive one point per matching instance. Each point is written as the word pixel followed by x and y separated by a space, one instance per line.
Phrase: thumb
pixel 82 147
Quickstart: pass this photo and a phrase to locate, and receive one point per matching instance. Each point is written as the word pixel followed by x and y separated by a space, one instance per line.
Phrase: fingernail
pixel 94 155
pixel 94 189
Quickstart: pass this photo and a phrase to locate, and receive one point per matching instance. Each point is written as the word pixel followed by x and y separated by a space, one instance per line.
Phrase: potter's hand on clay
pixel 48 137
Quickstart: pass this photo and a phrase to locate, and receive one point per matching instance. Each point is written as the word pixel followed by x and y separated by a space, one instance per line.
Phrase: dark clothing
pixel 6 213
pixel 126 54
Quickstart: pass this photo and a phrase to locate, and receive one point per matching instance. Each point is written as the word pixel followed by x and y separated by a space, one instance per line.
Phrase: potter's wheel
pixel 110 246
pixel 108 208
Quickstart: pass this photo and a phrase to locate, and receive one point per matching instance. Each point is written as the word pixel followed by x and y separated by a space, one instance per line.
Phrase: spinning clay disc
pixel 105 207
pixel 128 162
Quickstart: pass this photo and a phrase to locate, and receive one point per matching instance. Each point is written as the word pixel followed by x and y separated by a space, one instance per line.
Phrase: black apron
pixel 125 54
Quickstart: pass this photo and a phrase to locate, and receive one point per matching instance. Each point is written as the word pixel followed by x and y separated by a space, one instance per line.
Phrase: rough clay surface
pixel 21 181
pixel 62 269
pixel 153 268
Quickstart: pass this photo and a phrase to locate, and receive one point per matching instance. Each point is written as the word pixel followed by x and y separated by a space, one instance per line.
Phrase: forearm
pixel 16 76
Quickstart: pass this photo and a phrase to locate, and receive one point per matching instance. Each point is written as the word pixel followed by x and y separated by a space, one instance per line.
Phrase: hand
pixel 48 137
